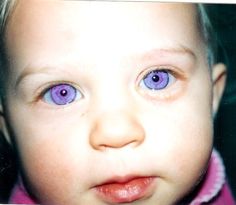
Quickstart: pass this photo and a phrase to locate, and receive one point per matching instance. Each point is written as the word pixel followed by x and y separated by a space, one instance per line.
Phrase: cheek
pixel 192 144
pixel 180 138
pixel 53 156
pixel 55 170
pixel 183 124
pixel 186 124
pixel 50 172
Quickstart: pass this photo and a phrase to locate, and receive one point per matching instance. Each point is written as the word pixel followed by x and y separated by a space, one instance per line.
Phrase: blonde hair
pixel 208 34
pixel 5 8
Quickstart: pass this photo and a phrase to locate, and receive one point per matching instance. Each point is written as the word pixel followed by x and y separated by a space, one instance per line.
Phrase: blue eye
pixel 61 94
pixel 157 80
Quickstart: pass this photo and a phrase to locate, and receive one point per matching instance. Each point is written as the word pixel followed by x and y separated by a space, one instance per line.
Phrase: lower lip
pixel 130 191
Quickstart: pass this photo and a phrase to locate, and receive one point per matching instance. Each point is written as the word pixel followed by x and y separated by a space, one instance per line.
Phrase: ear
pixel 218 80
pixel 3 127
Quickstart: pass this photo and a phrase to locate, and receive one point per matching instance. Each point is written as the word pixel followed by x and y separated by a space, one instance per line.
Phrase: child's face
pixel 86 109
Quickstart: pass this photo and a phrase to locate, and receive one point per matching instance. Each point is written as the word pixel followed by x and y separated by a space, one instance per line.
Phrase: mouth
pixel 126 189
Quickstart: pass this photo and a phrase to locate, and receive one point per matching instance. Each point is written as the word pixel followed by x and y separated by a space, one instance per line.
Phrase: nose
pixel 116 130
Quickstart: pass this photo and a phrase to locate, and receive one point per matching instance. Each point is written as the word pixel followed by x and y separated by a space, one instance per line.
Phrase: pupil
pixel 63 92
pixel 155 78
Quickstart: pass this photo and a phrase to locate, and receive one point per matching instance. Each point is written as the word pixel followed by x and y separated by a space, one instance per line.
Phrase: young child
pixel 111 103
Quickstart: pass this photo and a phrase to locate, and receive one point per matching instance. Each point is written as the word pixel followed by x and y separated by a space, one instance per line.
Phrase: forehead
pixel 94 28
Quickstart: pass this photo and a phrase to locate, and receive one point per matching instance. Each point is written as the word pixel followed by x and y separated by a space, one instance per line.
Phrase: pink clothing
pixel 214 189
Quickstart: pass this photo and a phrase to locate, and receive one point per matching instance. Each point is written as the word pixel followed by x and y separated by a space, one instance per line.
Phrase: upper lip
pixel 121 179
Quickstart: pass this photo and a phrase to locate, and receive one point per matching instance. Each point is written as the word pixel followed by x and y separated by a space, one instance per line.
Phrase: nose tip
pixel 116 131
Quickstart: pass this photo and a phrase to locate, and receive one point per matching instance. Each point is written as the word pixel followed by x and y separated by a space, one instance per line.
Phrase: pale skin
pixel 117 127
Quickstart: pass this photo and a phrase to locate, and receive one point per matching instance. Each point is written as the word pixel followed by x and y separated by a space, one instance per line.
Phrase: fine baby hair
pixel 107 102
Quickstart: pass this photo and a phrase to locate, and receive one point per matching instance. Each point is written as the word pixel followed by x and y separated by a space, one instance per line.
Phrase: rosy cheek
pixel 45 170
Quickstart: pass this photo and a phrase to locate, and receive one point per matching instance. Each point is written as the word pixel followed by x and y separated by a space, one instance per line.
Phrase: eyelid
pixel 171 91
pixel 176 72
pixel 42 90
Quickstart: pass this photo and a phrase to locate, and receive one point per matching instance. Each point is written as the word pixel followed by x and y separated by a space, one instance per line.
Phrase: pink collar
pixel 211 186
pixel 19 194
pixel 213 181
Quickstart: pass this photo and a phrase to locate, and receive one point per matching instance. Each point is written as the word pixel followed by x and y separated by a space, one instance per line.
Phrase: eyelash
pixel 175 76
pixel 59 88
pixel 63 88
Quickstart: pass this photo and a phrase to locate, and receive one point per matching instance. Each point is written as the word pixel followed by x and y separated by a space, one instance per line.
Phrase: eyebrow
pixel 46 69
pixel 178 50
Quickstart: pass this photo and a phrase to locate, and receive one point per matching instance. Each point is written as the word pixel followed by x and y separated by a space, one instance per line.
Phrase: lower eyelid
pixel 170 93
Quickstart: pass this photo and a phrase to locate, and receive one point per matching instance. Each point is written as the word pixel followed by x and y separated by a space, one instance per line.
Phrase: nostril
pixel 106 146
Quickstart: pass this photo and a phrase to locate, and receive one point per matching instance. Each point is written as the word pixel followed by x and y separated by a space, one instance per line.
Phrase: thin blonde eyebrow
pixel 28 70
pixel 180 49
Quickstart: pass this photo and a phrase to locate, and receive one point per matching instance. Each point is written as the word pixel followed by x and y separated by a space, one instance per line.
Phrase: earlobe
pixel 218 80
